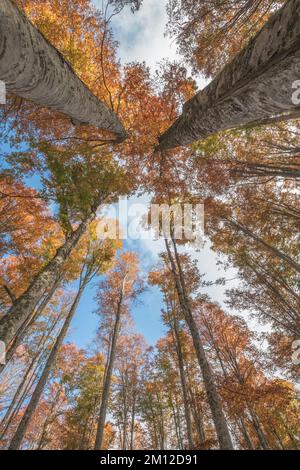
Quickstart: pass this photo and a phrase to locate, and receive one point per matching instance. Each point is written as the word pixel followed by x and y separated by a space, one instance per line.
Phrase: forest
pixel 115 344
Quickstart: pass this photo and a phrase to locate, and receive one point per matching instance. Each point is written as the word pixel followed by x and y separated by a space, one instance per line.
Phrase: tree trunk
pixel 35 70
pixel 23 425
pixel 211 391
pixel 246 435
pixel 48 420
pixel 256 425
pixel 25 327
pixel 28 378
pixel 45 279
pixel 255 87
pixel 132 423
pixel 268 170
pixel 125 410
pixel 197 414
pixel 183 381
pixel 108 375
pixel 176 419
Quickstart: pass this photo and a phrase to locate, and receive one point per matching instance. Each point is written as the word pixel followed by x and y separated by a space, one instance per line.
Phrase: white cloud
pixel 141 36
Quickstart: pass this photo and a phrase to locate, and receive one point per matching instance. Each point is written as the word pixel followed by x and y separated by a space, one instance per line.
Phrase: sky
pixel 141 37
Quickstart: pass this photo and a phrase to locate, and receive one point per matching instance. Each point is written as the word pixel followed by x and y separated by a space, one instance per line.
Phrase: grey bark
pixel 255 87
pixel 208 379
pixel 132 420
pixel 35 70
pixel 9 293
pixel 177 422
pixel 184 387
pixel 256 425
pixel 108 374
pixel 196 413
pixel 23 425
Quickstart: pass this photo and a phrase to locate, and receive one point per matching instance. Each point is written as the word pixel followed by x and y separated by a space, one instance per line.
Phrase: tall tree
pixel 172 317
pixel 115 293
pixel 209 33
pixel 209 382
pixel 27 58
pixel 243 92
pixel 97 260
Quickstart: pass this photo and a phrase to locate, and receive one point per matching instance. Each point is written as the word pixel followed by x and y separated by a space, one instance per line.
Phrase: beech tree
pixel 127 388
pixel 60 88
pixel 85 205
pixel 115 293
pixel 210 33
pixel 244 91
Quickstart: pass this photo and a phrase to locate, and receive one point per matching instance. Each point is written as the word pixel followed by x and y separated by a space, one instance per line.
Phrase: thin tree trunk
pixel 22 428
pixel 154 421
pixel 211 391
pixel 254 419
pixel 246 434
pixel 132 420
pixel 256 424
pixel 255 87
pixel 176 419
pixel 25 384
pixel 195 409
pixel 35 70
pixel 197 415
pixel 256 172
pixel 108 375
pixel 278 438
pixel 161 423
pixel 23 394
pixel 184 388
pixel 43 436
pixel 125 411
pixel 291 311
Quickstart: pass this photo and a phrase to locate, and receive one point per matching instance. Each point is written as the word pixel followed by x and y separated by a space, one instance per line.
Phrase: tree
pixel 59 88
pixel 210 33
pixel 243 92
pixel 114 295
pixel 127 388
pixel 81 207
pixel 172 318
pixel 69 175
pixel 80 420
